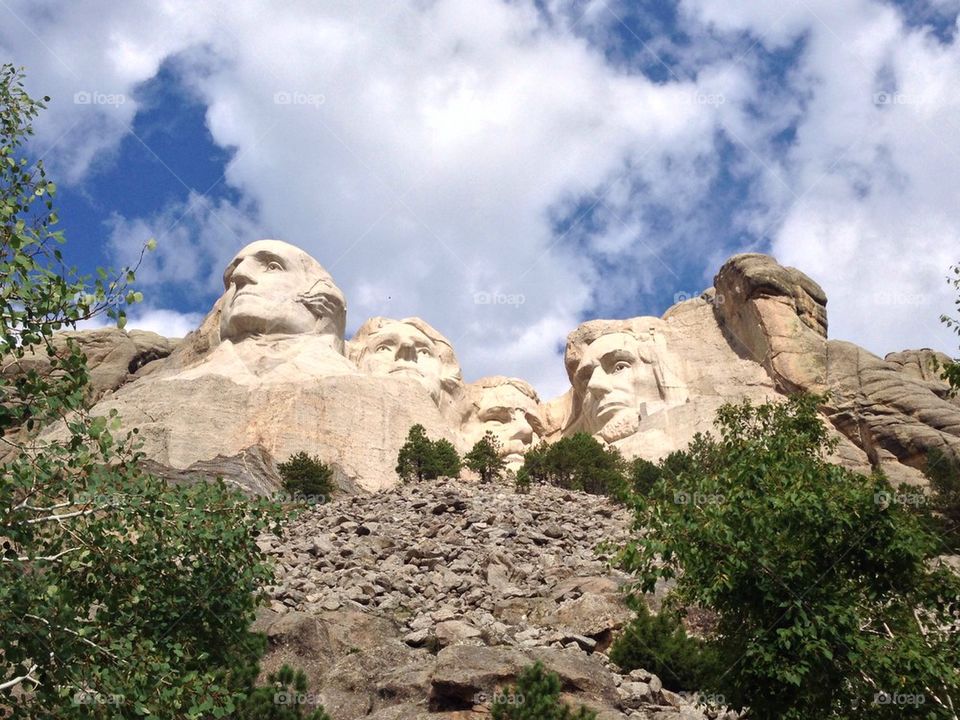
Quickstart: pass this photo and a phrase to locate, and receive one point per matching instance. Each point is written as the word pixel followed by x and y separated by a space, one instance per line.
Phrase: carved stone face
pixel 616 385
pixel 507 412
pixel 275 288
pixel 402 350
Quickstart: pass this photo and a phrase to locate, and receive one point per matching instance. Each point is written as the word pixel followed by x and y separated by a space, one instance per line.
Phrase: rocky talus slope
pixel 419 602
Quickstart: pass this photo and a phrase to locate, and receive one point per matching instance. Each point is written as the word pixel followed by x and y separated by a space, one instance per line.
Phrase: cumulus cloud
pixel 494 168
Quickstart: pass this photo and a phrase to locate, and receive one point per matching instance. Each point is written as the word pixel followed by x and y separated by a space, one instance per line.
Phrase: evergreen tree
pixel 307 478
pixel 485 458
pixel 535 696
pixel 446 460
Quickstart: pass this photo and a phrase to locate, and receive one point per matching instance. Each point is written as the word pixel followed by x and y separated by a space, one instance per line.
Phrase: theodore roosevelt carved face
pixel 509 409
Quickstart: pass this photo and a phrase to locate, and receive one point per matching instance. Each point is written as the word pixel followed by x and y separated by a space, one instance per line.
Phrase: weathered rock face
pixel 777 316
pixel 893 410
pixel 427 599
pixel 269 367
pixel 114 357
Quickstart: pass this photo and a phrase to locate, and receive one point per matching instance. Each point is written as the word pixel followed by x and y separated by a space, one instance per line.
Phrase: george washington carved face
pixel 273 288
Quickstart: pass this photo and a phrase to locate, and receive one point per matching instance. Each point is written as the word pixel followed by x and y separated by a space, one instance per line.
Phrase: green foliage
pixel 944 476
pixel 951 370
pixel 446 460
pixel 827 602
pixel 283 698
pixel 306 477
pixel 485 458
pixel 424 459
pixel 536 696
pixel 660 644
pixel 578 462
pixel 120 596
pixel 644 476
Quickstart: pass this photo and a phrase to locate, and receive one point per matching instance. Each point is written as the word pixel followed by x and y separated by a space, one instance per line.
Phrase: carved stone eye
pixel 273 266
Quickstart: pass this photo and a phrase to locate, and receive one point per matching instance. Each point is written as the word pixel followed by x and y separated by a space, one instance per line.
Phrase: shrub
pixel 827 600
pixel 306 477
pixel 425 459
pixel 485 458
pixel 660 644
pixel 578 462
pixel 281 699
pixel 944 476
pixel 535 696
pixel 120 595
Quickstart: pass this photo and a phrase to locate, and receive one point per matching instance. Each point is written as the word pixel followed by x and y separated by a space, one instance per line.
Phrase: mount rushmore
pixel 269 372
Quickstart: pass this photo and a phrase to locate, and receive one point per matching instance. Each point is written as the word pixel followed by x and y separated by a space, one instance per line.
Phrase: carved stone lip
pixel 611 406
pixel 405 369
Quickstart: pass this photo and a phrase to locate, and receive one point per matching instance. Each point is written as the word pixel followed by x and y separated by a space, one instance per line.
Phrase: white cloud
pixel 871 213
pixel 423 152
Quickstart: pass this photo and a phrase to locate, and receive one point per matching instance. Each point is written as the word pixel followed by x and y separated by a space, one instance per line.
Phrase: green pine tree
pixel 535 696
pixel 485 458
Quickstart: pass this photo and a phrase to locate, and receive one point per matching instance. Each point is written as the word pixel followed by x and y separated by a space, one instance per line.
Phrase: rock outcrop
pixel 114 357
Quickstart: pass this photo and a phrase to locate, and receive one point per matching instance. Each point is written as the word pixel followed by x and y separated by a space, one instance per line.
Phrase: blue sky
pixel 571 159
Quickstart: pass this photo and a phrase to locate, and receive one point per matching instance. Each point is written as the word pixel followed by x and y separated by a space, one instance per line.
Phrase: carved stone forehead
pixel 641 329
pixel 375 325
pixel 292 257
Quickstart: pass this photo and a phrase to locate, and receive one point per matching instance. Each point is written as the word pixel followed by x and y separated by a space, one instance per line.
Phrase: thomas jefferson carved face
pixel 616 384
pixel 273 288
pixel 509 411
pixel 400 349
